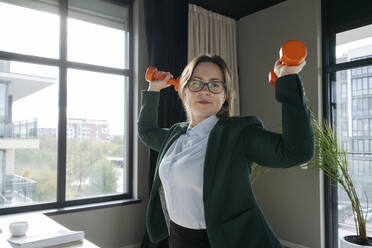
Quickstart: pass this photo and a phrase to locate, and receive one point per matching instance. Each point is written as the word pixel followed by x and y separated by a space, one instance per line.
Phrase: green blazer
pixel 233 217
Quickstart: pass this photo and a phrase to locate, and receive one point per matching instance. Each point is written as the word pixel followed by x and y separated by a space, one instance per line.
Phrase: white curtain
pixel 213 33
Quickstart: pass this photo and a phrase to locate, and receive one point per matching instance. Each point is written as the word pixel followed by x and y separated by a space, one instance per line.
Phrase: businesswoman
pixel 201 195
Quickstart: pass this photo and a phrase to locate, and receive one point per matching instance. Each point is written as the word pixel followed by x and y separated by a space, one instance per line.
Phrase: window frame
pixel 330 27
pixel 63 64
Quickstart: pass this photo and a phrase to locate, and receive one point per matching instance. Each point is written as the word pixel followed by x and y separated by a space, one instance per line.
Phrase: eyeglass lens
pixel 214 87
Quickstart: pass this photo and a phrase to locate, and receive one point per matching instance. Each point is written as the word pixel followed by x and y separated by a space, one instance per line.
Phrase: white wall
pixel 291 201
pixel 122 226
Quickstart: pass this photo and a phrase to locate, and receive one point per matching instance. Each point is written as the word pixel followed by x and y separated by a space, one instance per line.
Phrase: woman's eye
pixel 197 83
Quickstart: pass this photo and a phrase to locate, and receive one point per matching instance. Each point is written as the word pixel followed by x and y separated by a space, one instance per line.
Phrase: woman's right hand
pixel 157 85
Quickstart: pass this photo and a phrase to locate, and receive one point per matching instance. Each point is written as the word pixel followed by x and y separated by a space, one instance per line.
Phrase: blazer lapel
pixel 181 130
pixel 210 162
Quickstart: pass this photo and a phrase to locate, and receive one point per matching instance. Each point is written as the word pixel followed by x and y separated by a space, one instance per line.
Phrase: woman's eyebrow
pixel 210 79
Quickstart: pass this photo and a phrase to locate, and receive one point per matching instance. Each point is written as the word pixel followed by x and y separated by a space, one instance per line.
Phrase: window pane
pixel 359 124
pixel 353 45
pixel 366 127
pixel 344 90
pixel 365 82
pixel 93 41
pixel 39 28
pixel 95 134
pixel 360 128
pixel 28 133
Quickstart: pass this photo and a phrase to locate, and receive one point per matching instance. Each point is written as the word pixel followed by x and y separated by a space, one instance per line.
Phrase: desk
pixel 38 223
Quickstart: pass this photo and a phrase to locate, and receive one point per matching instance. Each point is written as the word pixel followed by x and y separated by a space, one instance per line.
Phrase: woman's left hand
pixel 282 70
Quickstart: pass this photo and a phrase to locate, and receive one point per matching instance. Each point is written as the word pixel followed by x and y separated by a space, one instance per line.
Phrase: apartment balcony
pixel 19 130
pixel 19 135
pixel 17 190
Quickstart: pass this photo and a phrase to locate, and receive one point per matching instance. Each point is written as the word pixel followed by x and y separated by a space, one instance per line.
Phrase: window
pixel 360 127
pixel 343 109
pixel 65 86
pixel 343 90
pixel 365 84
pixel 31 153
pixel 354 45
pixel 344 130
pixel 94 158
pixel 39 27
pixel 359 87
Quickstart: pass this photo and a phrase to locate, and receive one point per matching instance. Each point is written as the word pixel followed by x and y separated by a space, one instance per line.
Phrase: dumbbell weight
pixel 151 76
pixel 292 53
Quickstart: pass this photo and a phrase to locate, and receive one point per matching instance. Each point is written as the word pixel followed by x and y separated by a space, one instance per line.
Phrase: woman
pixel 201 194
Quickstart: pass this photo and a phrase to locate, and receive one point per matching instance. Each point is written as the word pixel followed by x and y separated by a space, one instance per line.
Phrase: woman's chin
pixel 206 114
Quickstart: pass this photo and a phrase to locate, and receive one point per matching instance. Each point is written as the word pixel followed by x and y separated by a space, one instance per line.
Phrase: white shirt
pixel 181 173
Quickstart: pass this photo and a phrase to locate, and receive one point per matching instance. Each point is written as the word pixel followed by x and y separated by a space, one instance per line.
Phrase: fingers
pixel 300 66
pixel 277 63
pixel 160 73
pixel 282 70
pixel 303 64
pixel 168 76
pixel 161 83
pixel 277 67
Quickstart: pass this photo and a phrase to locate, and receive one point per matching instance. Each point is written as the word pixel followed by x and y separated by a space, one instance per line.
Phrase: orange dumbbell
pixel 150 76
pixel 292 53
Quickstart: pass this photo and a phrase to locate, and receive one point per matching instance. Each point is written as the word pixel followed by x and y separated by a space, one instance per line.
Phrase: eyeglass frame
pixel 206 83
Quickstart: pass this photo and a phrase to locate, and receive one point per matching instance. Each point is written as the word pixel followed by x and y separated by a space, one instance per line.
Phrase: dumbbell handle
pixel 151 76
pixel 292 53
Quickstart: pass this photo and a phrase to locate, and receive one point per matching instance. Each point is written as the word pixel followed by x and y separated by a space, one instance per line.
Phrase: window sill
pixel 91 206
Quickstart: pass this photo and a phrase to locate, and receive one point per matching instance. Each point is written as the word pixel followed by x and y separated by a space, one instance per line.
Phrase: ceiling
pixel 235 8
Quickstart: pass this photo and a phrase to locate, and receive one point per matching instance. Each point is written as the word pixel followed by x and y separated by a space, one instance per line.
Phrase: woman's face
pixel 206 72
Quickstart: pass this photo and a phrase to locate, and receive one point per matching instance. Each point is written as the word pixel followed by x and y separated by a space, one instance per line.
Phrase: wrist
pixel 153 89
pixel 286 74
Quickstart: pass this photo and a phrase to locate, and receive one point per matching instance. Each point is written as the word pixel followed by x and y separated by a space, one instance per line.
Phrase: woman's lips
pixel 203 102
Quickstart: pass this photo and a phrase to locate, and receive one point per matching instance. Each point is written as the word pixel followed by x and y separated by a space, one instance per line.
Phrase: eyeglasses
pixel 214 87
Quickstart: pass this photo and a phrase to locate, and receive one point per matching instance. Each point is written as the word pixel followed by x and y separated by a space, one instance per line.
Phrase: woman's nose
pixel 205 88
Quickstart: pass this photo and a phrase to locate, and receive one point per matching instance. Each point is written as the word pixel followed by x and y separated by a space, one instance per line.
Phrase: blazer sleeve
pixel 295 145
pixel 148 131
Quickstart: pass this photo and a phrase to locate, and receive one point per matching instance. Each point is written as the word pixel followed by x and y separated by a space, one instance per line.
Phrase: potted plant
pixel 332 159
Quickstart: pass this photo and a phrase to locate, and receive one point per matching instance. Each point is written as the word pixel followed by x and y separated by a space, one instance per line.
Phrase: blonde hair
pixel 226 109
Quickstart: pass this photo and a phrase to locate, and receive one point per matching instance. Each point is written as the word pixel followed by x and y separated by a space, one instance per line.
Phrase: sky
pixel 90 95
pixel 357 43
pixel 344 48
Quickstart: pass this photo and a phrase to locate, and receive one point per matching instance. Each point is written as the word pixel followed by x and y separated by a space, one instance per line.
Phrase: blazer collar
pixel 203 128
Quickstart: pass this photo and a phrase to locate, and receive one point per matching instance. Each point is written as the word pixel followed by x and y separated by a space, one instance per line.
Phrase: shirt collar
pixel 202 128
